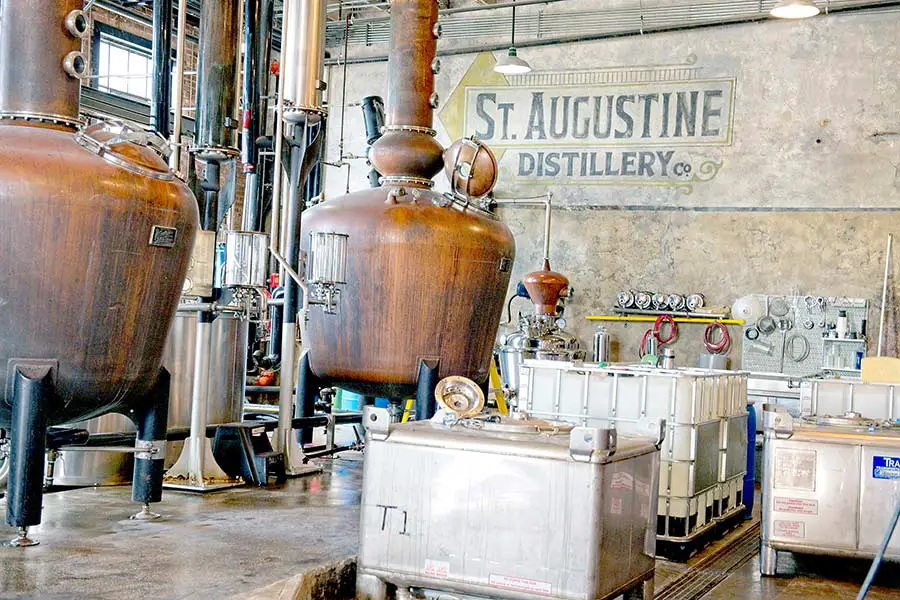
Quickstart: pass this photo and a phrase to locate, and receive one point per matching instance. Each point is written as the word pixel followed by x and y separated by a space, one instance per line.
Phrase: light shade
pixel 794 9
pixel 511 64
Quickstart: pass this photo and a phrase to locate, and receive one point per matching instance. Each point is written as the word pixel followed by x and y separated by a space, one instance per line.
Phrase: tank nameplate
pixel 795 469
pixel 163 237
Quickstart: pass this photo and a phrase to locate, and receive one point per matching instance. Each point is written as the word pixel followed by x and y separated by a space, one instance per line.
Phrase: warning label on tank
pixel 437 568
pixel 885 467
pixel 622 481
pixel 521 584
pixel 799 506
pixel 615 506
pixel 789 529
pixel 795 469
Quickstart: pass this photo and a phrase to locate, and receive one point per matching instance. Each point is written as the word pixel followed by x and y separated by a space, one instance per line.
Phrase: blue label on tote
pixel 886 467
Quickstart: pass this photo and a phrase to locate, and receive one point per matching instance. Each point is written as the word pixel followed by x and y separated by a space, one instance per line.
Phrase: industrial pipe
pixel 162 71
pixel 178 87
pixel 217 79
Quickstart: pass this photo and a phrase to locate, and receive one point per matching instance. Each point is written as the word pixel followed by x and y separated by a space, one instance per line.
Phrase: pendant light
pixel 511 64
pixel 794 9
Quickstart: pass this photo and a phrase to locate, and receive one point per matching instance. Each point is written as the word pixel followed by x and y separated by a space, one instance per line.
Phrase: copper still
pixel 95 237
pixel 400 275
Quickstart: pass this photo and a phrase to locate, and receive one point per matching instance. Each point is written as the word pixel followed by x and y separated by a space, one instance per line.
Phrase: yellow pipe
pixel 643 319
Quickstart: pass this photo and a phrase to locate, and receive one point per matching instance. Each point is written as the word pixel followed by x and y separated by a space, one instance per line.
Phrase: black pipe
pixel 210 187
pixel 266 17
pixel 306 392
pixel 33 388
pixel 162 66
pixel 373 117
pixel 149 458
pixel 273 349
pixel 292 238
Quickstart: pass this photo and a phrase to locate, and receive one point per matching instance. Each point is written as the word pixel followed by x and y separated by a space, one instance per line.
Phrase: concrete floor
pixel 210 546
pixel 240 542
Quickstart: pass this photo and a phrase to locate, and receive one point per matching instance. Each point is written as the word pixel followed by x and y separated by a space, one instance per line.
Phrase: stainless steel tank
pixel 830 486
pixel 516 509
pixel 225 378
pixel 99 467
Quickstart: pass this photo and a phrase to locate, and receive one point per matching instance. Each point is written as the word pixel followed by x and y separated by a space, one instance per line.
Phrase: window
pixel 123 65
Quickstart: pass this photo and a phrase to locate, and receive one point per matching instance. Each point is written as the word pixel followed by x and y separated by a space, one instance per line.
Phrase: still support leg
pixel 33 388
pixel 150 448
pixel 306 388
pixel 425 386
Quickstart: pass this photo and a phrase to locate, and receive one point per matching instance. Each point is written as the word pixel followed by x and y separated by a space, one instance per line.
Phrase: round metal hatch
pixel 460 395
pixel 133 149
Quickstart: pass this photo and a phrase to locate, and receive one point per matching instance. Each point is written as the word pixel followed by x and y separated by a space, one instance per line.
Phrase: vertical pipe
pixel 31 392
pixel 200 392
pixel 178 87
pixel 162 71
pixel 884 293
pixel 410 76
pixel 289 308
pixel 279 141
pixel 307 390
pixel 216 75
pixel 547 215
pixel 250 87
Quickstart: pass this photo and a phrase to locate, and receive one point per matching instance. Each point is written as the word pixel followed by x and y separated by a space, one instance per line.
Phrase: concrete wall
pixel 806 193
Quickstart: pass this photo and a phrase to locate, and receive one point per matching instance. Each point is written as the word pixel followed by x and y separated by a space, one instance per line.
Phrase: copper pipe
pixel 38 41
pixel 408 152
pixel 410 77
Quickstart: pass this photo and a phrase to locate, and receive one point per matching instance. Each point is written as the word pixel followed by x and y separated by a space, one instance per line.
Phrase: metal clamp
pixel 149 449
pixel 377 422
pixel 406 179
pixel 584 441
pixel 409 128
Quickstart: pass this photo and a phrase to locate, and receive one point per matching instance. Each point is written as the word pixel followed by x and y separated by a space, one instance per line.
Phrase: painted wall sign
pixel 645 126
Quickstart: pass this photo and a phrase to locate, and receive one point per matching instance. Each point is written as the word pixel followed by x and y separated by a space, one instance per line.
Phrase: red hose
pixel 656 332
pixel 720 347
pixel 657 329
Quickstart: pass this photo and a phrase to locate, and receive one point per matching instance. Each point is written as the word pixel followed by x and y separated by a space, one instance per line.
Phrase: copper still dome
pixel 426 274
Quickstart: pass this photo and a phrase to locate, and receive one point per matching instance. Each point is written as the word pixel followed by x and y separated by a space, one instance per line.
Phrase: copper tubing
pixel 410 77
pixel 34 44
pixel 408 151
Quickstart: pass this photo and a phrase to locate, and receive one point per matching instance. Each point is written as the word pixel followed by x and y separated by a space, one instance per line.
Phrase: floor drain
pixel 714 569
